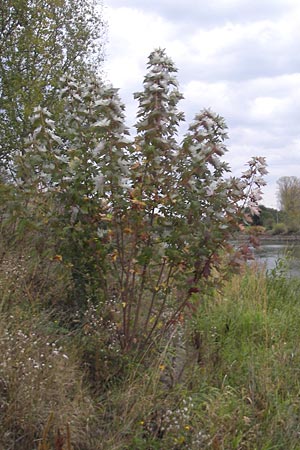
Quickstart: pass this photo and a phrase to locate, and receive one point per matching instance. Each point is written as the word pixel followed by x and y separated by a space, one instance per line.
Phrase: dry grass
pixel 39 378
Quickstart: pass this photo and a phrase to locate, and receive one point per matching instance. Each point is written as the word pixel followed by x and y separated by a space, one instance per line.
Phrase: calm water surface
pixel 271 251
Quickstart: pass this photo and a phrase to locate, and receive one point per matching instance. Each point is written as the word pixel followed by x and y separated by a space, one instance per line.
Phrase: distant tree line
pixel 268 217
pixel 286 219
pixel 289 200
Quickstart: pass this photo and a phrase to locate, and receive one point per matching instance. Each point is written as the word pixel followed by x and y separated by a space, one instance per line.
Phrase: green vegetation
pixel 122 323
pixel 268 217
pixel 279 228
pixel 284 221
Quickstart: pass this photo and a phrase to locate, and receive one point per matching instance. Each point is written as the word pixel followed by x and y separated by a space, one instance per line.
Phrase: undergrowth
pixel 228 378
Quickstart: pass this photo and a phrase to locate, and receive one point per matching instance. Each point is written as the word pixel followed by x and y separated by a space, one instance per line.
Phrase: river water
pixel 270 252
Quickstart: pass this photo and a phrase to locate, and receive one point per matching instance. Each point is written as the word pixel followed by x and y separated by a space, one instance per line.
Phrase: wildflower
pixel 57 258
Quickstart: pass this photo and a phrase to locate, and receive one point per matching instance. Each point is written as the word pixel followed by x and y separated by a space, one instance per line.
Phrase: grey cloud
pixel 206 13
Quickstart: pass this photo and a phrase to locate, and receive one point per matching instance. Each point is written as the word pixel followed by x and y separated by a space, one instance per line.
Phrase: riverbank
pixel 273 248
pixel 265 237
pixel 280 237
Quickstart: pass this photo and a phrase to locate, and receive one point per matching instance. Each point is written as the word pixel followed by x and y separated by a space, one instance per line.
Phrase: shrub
pixel 279 228
pixel 256 230
pixel 293 227
pixel 141 223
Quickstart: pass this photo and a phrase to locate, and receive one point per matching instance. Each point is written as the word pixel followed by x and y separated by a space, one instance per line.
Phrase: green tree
pixel 289 199
pixel 39 42
pixel 268 217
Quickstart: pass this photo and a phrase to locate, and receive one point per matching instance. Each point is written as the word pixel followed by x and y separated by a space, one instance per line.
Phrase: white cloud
pixel 133 35
pixel 266 108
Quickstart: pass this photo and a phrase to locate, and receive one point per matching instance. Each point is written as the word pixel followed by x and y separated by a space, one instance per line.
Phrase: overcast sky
pixel 241 58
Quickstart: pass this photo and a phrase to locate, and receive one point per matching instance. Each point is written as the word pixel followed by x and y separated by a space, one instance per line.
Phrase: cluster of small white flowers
pixel 200 439
pixel 13 272
pixel 213 332
pixel 180 418
pixel 92 319
pixel 26 354
pixel 94 324
pixel 176 429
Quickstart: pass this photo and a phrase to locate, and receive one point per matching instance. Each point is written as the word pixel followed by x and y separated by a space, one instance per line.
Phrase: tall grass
pixel 241 389
pixel 250 355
